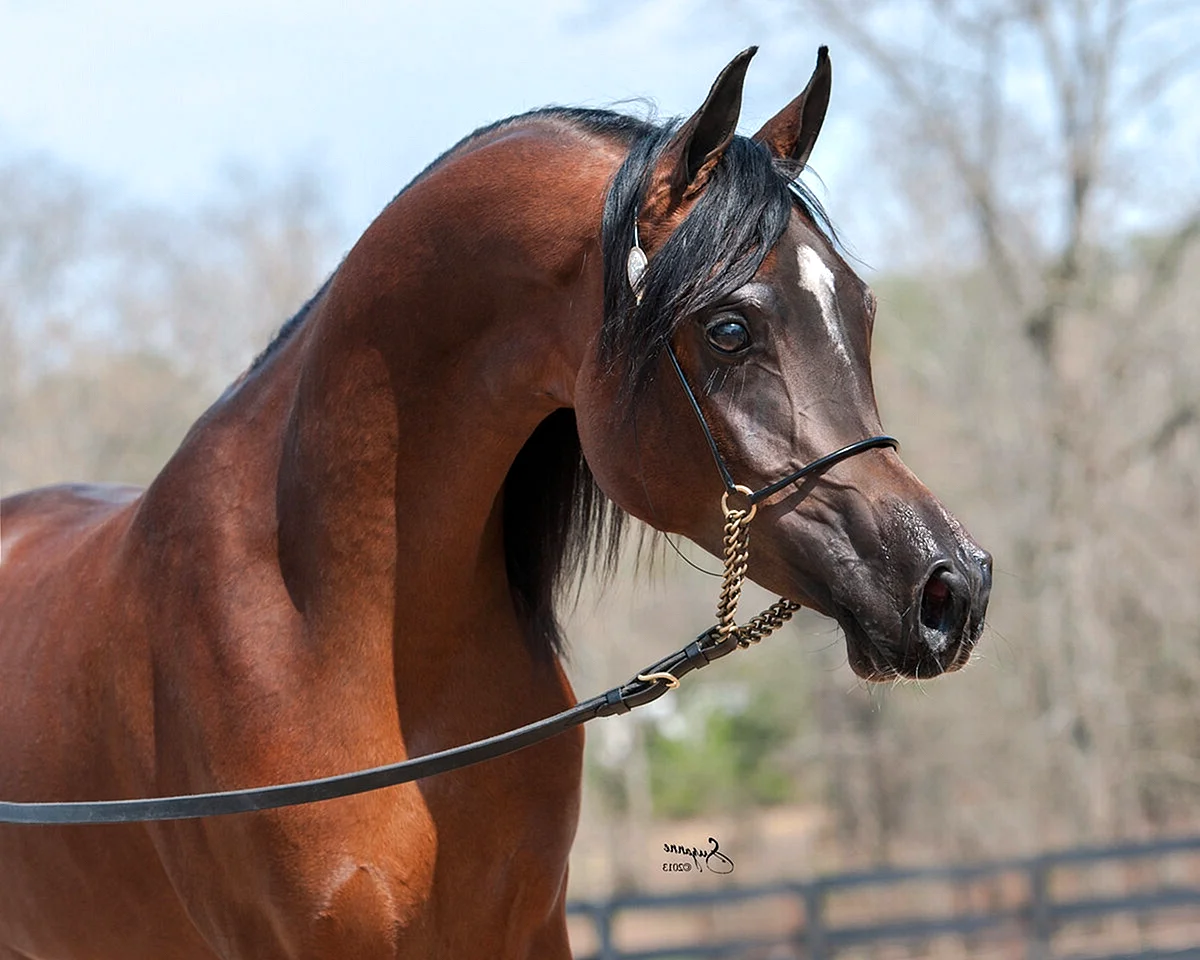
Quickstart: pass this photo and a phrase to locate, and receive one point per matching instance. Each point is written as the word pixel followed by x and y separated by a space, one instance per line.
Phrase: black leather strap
pixel 634 693
pixel 731 486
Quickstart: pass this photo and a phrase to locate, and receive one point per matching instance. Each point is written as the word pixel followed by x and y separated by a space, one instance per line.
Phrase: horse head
pixel 723 283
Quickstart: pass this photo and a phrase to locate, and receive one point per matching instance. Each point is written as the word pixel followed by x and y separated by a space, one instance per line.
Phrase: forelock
pixel 737 219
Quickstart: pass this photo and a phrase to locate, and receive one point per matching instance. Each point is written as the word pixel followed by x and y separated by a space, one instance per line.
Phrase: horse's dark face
pixel 781 368
pixel 865 542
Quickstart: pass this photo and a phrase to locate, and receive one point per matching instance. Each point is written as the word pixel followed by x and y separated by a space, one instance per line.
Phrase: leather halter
pixel 648 685
pixel 637 266
pixel 756 496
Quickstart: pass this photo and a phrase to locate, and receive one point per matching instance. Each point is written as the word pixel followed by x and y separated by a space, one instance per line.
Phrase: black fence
pixel 1112 903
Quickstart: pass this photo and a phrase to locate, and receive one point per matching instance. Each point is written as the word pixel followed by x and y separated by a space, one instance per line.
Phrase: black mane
pixel 289 327
pixel 556 518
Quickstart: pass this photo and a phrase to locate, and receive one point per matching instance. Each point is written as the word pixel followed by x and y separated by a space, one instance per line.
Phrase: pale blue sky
pixel 154 98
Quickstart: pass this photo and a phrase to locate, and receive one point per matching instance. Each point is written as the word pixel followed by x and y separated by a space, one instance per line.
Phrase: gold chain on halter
pixel 737 559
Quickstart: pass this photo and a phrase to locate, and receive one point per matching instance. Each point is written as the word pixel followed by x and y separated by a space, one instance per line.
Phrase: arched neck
pixel 455 325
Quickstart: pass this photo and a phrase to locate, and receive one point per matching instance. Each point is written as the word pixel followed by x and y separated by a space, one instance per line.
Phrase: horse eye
pixel 728 336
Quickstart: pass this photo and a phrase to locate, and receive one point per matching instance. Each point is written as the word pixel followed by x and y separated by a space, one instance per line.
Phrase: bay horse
pixel 354 555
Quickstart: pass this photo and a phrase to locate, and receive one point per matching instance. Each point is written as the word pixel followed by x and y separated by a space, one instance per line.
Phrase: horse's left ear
pixel 689 158
pixel 792 132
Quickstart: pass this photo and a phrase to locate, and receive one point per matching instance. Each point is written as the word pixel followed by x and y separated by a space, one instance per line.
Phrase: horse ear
pixel 792 132
pixel 689 158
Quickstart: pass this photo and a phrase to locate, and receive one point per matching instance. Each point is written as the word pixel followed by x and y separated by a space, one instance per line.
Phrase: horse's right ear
pixel 792 133
pixel 688 159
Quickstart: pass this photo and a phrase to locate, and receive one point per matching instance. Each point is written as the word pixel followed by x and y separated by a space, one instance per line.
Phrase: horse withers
pixel 353 557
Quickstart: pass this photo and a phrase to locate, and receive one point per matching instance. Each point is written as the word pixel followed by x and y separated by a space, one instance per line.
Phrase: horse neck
pixel 455 325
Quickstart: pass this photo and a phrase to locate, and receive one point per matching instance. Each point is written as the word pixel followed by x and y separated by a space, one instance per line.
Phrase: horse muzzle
pixel 937 629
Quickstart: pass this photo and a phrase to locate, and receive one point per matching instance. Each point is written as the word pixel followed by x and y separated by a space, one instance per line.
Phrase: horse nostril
pixel 942 623
pixel 945 609
pixel 937 602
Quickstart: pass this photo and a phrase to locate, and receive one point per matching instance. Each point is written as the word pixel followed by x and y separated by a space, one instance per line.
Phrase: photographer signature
pixel 713 859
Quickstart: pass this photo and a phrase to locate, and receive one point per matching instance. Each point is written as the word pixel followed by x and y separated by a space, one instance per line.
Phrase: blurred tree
pixel 1052 347
pixel 718 752
pixel 120 324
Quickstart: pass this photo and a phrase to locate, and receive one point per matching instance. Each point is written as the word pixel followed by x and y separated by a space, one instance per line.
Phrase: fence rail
pixel 1047 896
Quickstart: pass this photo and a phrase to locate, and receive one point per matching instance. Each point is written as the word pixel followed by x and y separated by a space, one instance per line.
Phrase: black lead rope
pixel 634 693
pixel 650 684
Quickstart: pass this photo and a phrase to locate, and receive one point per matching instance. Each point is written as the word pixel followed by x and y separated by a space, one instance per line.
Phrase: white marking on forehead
pixel 817 279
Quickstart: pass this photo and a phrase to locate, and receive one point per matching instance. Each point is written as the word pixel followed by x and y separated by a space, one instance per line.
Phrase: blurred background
pixel 1018 180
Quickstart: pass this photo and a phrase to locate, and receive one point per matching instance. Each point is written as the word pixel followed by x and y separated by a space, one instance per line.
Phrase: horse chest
pixel 468 864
